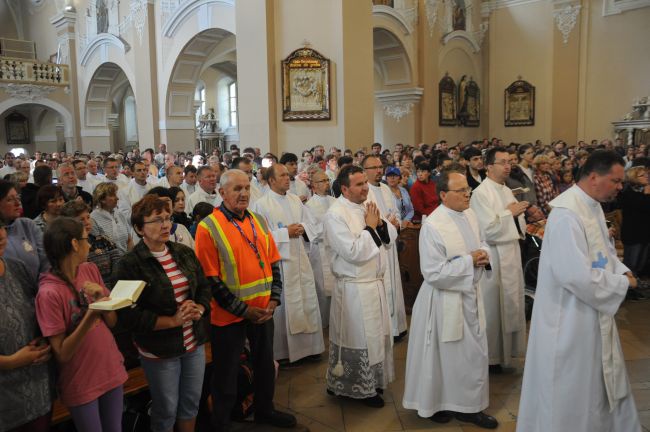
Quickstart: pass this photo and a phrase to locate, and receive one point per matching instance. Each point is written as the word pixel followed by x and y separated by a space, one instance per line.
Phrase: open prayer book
pixel 520 190
pixel 124 294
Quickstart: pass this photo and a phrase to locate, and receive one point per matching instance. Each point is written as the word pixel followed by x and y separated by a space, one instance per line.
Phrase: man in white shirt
pixel 298 327
pixel 297 186
pixel 575 378
pixel 8 167
pixel 83 179
pixel 93 173
pixel 380 194
pixel 111 173
pixel 134 191
pixel 207 190
pixel 447 360
pixel 173 177
pixel 244 164
pixel 361 347
pixel 319 250
pixel 501 218
pixel 189 180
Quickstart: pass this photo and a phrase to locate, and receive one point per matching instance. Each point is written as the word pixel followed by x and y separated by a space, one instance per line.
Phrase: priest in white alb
pixel 298 328
pixel 575 378
pixel 360 361
pixel 501 218
pixel 319 250
pixel 447 359
pixel 380 194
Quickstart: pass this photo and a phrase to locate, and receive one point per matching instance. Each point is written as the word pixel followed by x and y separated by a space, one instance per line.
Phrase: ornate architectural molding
pixel 566 19
pixel 397 110
pixel 612 7
pixel 431 10
pixel 394 14
pixel 479 35
pixel 489 6
pixel 469 37
pixel 101 40
pixel 399 103
pixel 28 92
pixel 137 18
pixel 184 11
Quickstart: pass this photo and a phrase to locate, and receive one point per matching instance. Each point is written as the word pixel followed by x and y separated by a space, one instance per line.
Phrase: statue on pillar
pixel 102 16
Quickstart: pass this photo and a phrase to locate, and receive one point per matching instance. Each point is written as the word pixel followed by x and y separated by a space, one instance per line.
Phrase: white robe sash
pixel 614 374
pixel 452 321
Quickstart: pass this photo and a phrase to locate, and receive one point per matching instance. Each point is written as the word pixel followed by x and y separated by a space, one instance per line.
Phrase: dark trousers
pixel 227 346
pixel 635 256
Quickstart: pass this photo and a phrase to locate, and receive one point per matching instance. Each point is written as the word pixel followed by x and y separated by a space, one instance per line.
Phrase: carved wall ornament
pixel 431 9
pixel 28 92
pixel 397 110
pixel 566 19
pixel 479 35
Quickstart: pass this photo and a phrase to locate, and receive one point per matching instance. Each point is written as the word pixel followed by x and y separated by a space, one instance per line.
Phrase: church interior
pixel 289 75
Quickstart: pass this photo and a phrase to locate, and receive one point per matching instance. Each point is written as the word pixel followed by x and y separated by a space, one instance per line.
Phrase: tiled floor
pixel 302 391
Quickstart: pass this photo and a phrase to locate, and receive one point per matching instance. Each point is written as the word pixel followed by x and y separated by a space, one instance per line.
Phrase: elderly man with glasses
pixel 447 360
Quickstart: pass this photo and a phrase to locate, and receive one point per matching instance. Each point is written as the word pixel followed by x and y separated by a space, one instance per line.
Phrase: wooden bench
pixel 135 383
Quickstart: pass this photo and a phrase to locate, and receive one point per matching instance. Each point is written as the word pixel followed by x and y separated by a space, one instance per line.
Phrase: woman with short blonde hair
pixel 109 222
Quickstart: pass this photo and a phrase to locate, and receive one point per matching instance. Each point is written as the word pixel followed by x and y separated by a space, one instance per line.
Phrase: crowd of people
pixel 260 253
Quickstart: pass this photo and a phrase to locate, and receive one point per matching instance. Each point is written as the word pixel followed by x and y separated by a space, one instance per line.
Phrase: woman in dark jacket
pixel 169 323
pixel 634 201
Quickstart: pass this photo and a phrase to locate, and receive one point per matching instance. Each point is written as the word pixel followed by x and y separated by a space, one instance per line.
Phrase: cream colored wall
pixel 521 44
pixel 341 31
pixel 325 36
pixel 38 29
pixel 616 56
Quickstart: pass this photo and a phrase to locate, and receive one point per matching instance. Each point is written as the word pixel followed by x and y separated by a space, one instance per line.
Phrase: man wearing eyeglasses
pixel 319 250
pixel 501 218
pixel 382 196
pixel 447 360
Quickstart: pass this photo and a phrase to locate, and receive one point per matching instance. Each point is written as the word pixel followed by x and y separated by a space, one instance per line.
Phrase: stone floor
pixel 302 391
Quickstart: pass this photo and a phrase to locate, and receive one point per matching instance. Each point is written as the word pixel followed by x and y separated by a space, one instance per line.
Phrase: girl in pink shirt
pixel 91 370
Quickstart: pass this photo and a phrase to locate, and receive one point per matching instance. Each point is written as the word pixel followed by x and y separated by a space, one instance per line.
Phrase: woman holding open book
pixel 90 366
pixel 169 320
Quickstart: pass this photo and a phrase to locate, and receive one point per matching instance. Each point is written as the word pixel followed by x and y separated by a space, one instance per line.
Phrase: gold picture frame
pixel 306 86
pixel 447 99
pixel 519 109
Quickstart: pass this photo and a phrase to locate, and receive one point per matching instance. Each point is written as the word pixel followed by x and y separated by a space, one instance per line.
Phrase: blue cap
pixel 391 170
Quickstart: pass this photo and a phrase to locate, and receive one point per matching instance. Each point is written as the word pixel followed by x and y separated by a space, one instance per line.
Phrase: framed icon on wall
pixel 305 86
pixel 519 102
pixel 17 128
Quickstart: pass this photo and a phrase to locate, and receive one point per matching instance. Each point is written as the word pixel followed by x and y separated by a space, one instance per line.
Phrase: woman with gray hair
pixel 108 221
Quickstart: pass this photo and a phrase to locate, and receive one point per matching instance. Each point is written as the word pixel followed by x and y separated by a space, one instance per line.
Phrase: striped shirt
pixel 181 288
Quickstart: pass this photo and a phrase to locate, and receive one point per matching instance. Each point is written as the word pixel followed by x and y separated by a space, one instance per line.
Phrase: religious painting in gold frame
pixel 447 102
pixel 519 107
pixel 469 102
pixel 305 86
pixel 17 129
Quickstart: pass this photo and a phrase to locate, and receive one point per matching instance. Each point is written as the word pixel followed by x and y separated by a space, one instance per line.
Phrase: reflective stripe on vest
pixel 228 267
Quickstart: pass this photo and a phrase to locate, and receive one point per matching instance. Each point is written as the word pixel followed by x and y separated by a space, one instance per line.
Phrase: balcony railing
pixel 20 71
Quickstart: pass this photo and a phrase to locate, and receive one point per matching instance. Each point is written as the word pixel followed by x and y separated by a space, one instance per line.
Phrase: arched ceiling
pixel 211 48
pixel 390 58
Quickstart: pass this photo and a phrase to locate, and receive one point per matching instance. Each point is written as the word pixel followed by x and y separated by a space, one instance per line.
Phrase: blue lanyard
pixel 251 244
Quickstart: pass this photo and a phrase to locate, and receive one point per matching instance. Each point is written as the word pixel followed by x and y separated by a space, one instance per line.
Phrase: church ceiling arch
pixel 390 58
pixel 108 84
pixel 45 104
pixel 210 48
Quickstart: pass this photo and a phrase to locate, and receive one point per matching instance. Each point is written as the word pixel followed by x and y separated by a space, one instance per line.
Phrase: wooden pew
pixel 135 384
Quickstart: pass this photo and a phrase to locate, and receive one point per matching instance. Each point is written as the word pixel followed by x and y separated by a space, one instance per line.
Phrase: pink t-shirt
pixel 97 366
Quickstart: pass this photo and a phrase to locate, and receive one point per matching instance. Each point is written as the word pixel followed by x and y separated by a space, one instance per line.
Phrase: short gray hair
pixel 229 175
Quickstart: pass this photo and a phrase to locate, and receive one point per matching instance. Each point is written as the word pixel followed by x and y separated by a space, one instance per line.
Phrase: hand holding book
pixel 124 294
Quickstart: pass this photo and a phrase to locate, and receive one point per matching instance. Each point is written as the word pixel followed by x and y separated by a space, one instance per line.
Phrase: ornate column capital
pixel 566 17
